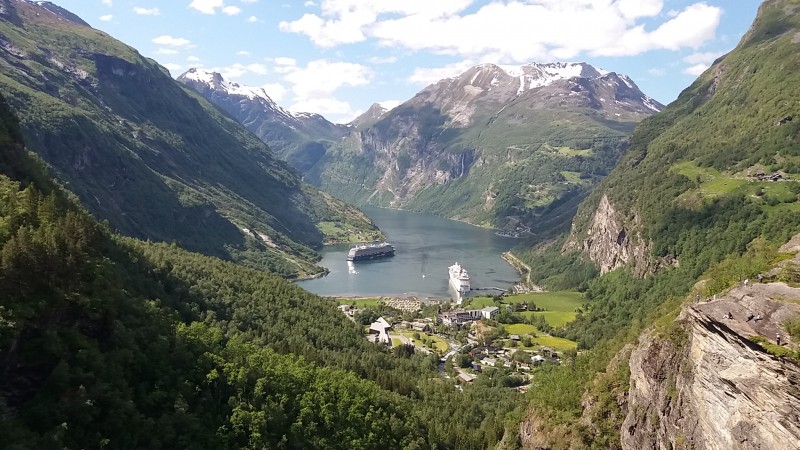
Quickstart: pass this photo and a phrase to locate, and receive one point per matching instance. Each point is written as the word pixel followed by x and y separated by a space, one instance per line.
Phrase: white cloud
pixel 249 1
pixel 382 60
pixel 276 91
pixel 231 10
pixel 257 68
pixel 309 3
pixel 428 75
pixel 193 59
pixel 252 19
pixel 207 6
pixel 173 68
pixel 235 71
pixel 313 87
pixel 106 17
pixel 700 61
pixel 106 2
pixel 511 31
pixel 243 53
pixel 704 57
pixel 657 72
pixel 146 11
pixel 337 111
pixel 320 78
pixel 167 51
pixel 696 69
pixel 285 61
pixel 169 41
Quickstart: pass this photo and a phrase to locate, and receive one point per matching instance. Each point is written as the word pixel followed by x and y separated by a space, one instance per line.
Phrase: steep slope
pixel 496 146
pixel 88 358
pixel 710 384
pixel 705 149
pixel 299 139
pixel 155 160
pixel 689 213
pixel 106 341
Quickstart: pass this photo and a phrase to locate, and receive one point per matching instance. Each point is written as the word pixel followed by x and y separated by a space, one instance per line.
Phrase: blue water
pixel 425 245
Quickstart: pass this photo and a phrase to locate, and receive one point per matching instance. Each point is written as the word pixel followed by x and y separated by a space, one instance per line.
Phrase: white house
pixel 490 312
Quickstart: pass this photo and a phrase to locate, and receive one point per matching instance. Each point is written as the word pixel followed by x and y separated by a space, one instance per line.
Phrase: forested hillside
pixel 154 159
pixel 106 341
pixel 692 200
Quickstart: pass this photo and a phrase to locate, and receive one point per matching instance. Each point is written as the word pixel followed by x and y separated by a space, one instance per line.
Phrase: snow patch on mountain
pixel 216 81
pixel 535 75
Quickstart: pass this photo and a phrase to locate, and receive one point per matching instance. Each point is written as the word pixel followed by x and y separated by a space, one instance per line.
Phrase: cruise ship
pixel 370 251
pixel 459 279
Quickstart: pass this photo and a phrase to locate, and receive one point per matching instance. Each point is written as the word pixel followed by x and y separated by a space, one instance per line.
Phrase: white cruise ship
pixel 459 279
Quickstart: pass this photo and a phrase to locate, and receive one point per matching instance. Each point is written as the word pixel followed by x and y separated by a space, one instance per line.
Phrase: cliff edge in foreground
pixel 708 382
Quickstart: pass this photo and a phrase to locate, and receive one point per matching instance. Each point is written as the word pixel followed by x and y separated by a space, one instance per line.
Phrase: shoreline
pixel 524 271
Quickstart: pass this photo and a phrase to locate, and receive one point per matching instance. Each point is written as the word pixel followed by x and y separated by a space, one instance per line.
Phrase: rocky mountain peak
pixel 371 115
pixel 217 82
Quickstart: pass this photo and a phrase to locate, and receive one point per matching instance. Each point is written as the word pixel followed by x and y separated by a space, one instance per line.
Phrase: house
pixel 465 377
pixel 455 319
pixel 514 337
pixel 538 359
pixel 380 329
pixel 490 312
pixel 420 326
pixel 489 361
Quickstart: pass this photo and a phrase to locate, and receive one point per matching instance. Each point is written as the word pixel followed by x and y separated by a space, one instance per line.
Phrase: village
pixel 504 336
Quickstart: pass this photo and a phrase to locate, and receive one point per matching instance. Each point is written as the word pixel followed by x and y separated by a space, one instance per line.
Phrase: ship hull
pixel 385 254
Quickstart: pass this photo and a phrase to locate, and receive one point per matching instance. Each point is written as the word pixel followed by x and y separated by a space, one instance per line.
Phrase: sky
pixel 337 57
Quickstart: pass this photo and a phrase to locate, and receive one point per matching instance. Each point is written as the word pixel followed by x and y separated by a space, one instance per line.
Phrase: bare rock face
pixel 705 385
pixel 611 241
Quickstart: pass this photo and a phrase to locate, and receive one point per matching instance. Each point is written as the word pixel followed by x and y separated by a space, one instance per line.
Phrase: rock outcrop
pixel 705 384
pixel 611 241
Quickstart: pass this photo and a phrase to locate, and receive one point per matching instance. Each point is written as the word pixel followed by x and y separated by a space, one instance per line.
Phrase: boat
pixel 370 251
pixel 459 278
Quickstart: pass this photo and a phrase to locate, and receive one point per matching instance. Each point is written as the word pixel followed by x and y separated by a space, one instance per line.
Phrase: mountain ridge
pixel 147 154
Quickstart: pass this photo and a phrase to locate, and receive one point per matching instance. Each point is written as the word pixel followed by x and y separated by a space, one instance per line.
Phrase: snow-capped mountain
pixel 491 145
pixel 299 138
pixel 539 85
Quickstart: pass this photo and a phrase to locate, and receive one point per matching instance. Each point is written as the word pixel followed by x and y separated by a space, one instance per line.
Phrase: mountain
pixel 108 341
pixel 301 139
pixel 151 157
pixel 681 351
pixel 370 116
pixel 508 147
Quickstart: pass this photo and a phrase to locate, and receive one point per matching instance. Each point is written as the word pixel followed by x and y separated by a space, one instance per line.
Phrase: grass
pixel 692 171
pixel 568 151
pixel 396 342
pixel 559 307
pixel 555 342
pixel 360 302
pixel 722 186
pixel 571 177
pixel 338 232
pixel 439 344
pixel 521 329
pixel 556 319
pixel 479 302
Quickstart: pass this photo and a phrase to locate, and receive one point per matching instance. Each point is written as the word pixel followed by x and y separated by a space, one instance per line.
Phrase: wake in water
pixel 351 268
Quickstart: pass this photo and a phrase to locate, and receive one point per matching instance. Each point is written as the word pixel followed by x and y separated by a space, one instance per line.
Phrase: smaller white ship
pixel 459 279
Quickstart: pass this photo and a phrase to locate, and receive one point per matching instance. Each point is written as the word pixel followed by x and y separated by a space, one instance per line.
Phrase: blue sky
pixel 337 57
